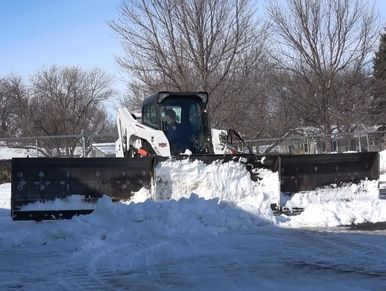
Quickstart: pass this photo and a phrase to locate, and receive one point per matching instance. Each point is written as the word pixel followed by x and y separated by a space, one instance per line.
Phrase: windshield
pixel 183 124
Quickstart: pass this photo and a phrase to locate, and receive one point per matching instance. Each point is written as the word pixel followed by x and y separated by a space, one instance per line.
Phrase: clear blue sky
pixel 38 33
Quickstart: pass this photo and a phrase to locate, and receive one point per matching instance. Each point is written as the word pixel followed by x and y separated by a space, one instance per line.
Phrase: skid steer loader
pixel 176 125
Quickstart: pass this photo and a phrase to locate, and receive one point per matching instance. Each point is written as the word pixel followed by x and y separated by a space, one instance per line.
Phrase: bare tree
pixel 379 81
pixel 68 100
pixel 191 45
pixel 13 105
pixel 254 103
pixel 322 43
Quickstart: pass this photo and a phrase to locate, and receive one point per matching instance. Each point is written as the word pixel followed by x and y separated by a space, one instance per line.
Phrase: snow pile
pixel 120 222
pixel 325 207
pixel 226 181
pixel 364 191
pixel 186 217
pixel 335 206
pixel 202 200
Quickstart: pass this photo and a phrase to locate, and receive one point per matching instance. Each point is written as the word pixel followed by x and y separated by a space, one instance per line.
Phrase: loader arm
pixel 134 136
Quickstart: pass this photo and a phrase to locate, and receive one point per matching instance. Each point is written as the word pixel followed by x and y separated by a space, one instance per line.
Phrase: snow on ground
pixel 329 207
pixel 7 153
pixel 5 196
pixel 207 228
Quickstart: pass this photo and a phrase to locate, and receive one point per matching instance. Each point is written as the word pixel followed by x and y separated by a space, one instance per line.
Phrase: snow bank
pixel 113 221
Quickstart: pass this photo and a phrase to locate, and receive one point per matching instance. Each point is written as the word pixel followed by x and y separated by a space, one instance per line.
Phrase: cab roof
pixel 160 96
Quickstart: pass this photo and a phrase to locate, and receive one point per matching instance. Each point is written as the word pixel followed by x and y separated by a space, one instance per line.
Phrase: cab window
pixel 176 109
pixel 195 117
pixel 150 115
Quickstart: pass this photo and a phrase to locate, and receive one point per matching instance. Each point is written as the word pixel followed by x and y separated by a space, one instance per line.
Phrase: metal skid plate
pixel 44 179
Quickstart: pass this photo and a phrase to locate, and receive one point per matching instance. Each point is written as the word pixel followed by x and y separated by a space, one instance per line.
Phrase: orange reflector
pixel 142 152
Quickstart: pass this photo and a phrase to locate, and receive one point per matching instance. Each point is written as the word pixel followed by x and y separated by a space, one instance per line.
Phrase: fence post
pixel 307 144
pixel 367 141
pixel 37 146
pixel 83 142
pixel 337 145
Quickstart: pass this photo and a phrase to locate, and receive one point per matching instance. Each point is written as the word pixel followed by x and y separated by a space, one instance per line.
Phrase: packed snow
pixel 207 227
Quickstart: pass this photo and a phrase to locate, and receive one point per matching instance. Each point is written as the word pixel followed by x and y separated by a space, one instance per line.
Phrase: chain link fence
pixel 63 146
pixel 318 144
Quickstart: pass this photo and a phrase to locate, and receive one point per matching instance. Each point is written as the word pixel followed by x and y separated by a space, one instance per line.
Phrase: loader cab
pixel 182 117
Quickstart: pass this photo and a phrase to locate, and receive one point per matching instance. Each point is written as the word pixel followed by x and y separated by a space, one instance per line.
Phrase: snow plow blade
pixel 308 172
pixel 46 179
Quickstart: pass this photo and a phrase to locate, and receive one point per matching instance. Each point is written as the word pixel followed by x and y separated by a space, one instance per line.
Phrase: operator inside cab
pixel 183 125
pixel 172 129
